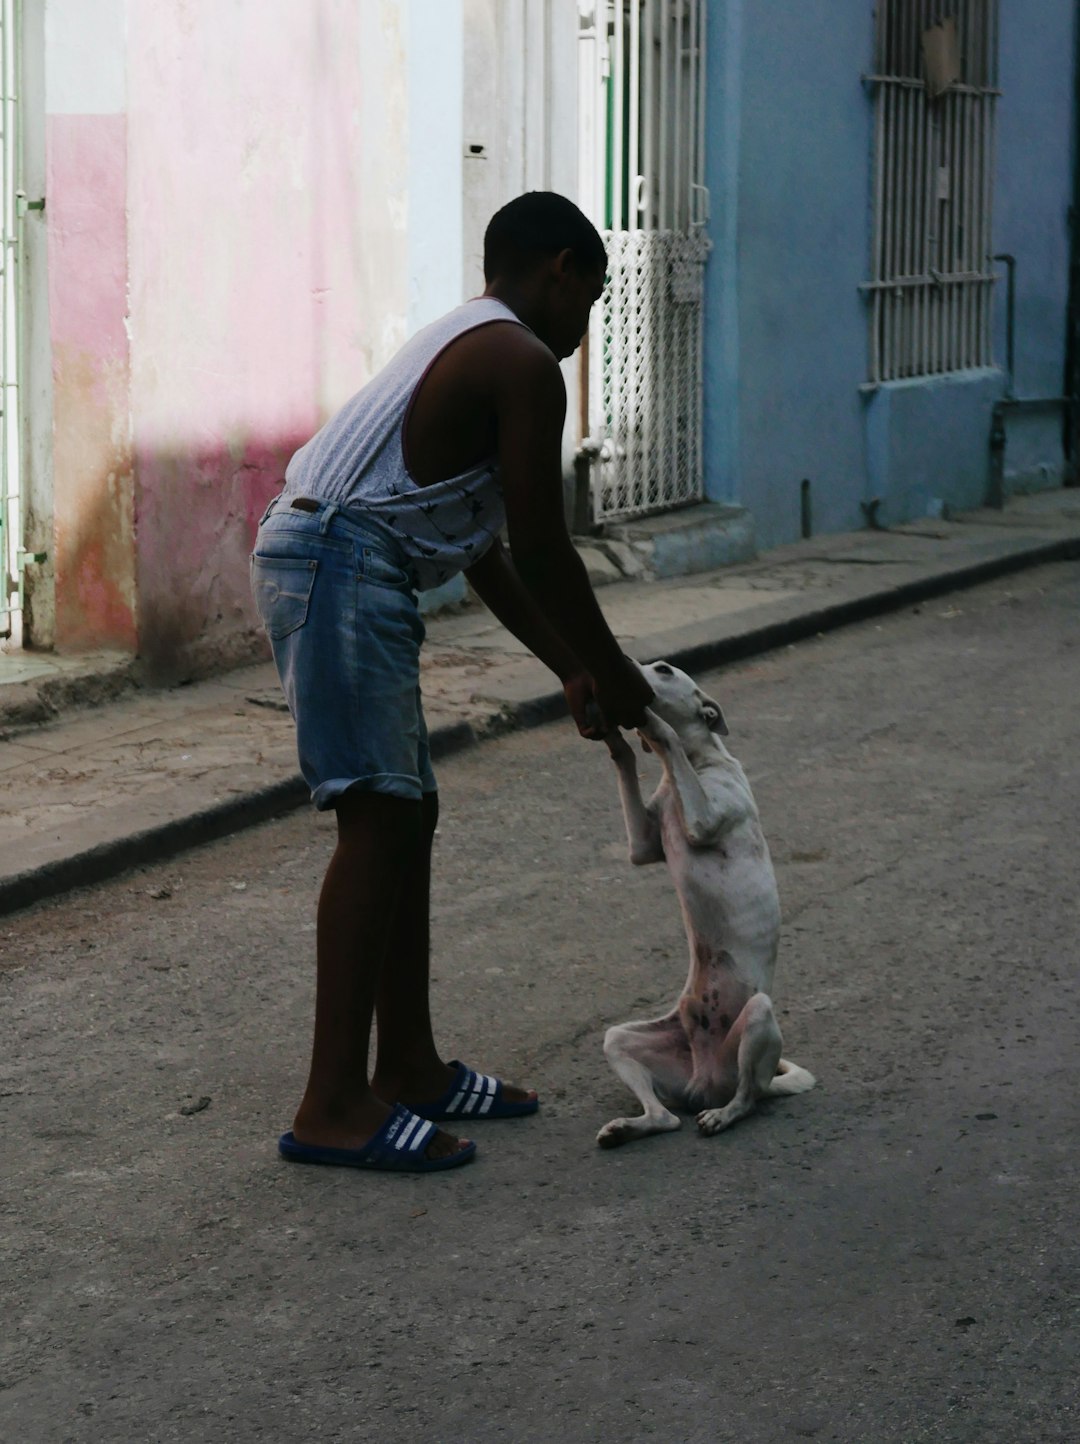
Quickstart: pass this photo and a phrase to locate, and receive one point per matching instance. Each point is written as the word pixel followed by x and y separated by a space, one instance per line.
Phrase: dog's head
pixel 680 701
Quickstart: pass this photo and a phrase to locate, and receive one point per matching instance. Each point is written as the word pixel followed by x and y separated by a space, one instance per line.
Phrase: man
pixel 411 482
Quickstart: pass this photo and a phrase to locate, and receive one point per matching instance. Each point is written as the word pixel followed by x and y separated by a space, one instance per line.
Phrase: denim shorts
pixel 335 593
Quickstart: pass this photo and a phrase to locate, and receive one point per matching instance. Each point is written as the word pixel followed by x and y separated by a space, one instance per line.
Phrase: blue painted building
pixel 803 146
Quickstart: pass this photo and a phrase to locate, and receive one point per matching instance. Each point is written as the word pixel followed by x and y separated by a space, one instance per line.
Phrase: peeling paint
pixel 223 275
pixel 94 552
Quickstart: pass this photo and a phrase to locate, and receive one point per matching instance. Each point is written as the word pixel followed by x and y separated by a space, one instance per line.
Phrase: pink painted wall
pixel 255 309
pixel 94 547
pixel 227 265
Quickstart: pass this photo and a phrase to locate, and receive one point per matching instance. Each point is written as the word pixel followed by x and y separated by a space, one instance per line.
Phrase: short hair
pixel 536 224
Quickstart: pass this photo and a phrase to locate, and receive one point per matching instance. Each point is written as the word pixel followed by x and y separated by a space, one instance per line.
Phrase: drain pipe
pixel 581 522
pixel 1010 403
pixel 1010 324
pixel 1072 353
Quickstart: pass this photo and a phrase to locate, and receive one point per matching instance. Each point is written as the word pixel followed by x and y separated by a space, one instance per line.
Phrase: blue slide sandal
pixel 473 1095
pixel 398 1147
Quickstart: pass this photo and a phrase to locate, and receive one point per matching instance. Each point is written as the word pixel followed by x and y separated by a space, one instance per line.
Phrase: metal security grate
pixel 930 293
pixel 644 77
pixel 11 200
pixel 647 374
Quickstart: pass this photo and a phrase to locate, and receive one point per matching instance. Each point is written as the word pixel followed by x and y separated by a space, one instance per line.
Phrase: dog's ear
pixel 714 718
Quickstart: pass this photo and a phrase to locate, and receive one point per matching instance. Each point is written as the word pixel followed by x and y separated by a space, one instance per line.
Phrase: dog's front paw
pixel 656 731
pixel 715 1120
pixel 618 747
pixel 712 1120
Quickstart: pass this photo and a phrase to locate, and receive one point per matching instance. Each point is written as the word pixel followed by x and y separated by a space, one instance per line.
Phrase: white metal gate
pixel 643 144
pixel 12 204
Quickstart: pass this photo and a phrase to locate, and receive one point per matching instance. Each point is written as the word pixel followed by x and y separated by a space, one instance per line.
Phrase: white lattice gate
pixel 643 127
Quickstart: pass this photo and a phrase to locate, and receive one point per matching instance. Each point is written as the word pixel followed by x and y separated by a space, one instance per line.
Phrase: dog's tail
pixel 789 1078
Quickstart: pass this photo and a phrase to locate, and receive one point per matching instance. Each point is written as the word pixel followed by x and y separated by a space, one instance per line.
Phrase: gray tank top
pixel 356 460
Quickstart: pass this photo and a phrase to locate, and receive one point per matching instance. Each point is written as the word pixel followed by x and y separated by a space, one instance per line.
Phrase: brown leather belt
pixel 304 503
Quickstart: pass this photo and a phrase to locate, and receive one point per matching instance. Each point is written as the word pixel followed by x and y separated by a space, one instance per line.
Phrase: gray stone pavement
pixel 150 772
pixel 892 1258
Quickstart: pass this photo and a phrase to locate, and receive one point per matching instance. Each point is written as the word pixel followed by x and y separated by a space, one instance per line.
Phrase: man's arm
pixel 502 591
pixel 495 581
pixel 530 406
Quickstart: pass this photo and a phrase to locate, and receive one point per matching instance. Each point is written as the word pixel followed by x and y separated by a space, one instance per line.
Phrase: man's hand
pixel 581 699
pixel 623 696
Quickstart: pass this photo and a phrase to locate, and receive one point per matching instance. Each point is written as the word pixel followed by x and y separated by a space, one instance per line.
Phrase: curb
pixel 41 700
pixel 155 844
pixel 831 617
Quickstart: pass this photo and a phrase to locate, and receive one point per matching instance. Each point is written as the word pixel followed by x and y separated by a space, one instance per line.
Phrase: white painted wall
pixel 86 45
pixel 520 109
pixel 435 78
pixel 387 96
pixel 520 116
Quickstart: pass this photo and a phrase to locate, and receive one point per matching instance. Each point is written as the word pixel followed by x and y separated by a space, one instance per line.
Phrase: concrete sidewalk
pixel 146 775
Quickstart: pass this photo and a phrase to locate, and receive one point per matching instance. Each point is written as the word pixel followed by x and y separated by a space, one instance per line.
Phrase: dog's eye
pixel 663 669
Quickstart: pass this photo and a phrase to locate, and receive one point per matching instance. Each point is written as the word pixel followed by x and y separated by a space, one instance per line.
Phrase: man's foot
pixel 359 1128
pixel 424 1087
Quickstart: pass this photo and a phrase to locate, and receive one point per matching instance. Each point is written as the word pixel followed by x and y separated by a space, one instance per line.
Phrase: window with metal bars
pixel 653 74
pixel 935 83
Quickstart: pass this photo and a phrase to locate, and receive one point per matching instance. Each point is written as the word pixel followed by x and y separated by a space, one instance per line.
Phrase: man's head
pixel 546 260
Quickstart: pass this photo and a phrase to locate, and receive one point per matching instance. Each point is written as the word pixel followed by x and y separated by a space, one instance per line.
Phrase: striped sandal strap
pixel 475 1094
pixel 405 1134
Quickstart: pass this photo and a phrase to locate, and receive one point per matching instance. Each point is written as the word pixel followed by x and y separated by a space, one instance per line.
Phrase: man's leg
pixel 371 869
pixel 408 1068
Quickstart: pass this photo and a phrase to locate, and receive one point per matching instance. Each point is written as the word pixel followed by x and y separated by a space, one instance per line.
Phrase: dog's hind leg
pixel 788 1079
pixel 759 1043
pixel 647 1057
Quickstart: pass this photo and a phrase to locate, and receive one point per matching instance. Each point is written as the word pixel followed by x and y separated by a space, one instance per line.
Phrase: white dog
pixel 718 1050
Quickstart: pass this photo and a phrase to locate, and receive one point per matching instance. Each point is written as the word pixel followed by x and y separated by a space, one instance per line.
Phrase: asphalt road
pixel 892 1257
